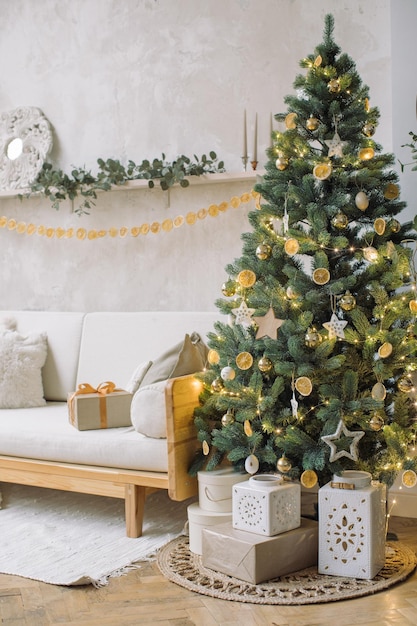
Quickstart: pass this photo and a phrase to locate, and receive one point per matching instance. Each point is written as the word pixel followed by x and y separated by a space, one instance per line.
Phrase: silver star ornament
pixel 335 327
pixel 243 315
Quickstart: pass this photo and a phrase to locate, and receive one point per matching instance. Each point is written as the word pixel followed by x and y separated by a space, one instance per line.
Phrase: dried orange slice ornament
pixel 291 246
pixel 304 385
pixel 409 478
pixel 246 278
pixel 309 479
pixel 290 121
pixel 247 428
pixel 244 360
pixel 213 357
pixel 322 171
pixel 379 226
pixel 321 276
pixel 391 191
pixel 385 350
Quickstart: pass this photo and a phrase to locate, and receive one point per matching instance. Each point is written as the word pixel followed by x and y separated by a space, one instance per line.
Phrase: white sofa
pixel 38 446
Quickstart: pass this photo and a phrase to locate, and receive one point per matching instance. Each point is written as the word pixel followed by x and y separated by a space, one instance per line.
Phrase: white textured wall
pixel 130 79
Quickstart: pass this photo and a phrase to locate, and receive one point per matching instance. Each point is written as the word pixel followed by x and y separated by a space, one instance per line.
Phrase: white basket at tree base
pixel 215 489
pixel 352 526
pixel 198 519
pixel 266 505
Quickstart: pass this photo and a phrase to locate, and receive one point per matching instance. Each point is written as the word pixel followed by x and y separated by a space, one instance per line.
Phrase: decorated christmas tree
pixel 314 371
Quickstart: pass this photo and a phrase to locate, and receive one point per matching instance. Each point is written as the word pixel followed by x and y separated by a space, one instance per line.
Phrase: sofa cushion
pixel 186 357
pixel 21 361
pixel 147 411
pixel 136 378
pixel 64 335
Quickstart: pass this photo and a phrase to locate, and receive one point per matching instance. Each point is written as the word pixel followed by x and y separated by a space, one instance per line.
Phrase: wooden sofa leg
pixel 134 508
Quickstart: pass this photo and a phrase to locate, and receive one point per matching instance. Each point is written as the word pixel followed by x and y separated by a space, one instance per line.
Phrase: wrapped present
pixel 254 558
pixel 92 408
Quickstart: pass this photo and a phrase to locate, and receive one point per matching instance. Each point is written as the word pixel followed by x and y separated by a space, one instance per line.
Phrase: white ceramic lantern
pixel 352 518
pixel 266 505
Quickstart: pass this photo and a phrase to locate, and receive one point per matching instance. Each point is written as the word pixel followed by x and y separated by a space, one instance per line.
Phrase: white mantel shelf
pixel 131 185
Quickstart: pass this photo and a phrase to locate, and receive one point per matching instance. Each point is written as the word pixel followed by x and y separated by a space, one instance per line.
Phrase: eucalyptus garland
pixel 58 186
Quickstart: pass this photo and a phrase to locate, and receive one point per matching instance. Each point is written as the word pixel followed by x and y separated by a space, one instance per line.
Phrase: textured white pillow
pixel 135 380
pixel 147 411
pixel 21 362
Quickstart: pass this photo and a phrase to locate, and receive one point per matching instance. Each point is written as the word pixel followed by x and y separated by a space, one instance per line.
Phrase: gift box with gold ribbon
pixel 105 406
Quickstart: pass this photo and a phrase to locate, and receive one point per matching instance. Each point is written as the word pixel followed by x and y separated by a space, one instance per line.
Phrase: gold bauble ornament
pixel 333 85
pixel 361 201
pixel 312 123
pixel 308 479
pixel 206 448
pixel 412 305
pixel 283 465
pixel 228 418
pixel 217 385
pixel 281 163
pixel 228 373
pixel 395 226
pixel 365 154
pixel 229 288
pixel 263 251
pixel 347 301
pixel 379 392
pixel 312 338
pixel 265 365
pixel 291 293
pixel 405 384
pixel 370 254
pixel 340 220
pixel 376 422
pixel 368 130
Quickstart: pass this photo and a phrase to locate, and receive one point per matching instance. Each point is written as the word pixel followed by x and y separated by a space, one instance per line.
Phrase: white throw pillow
pixel 148 412
pixel 135 380
pixel 21 362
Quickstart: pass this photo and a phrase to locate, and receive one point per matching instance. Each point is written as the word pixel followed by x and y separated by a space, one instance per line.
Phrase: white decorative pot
pixel 352 519
pixel 266 505
pixel 215 489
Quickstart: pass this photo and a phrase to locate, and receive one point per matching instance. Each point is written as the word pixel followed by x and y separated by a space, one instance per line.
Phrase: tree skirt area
pixel 68 538
pixel 185 568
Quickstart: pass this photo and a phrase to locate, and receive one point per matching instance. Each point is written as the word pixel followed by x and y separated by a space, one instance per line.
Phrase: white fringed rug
pixel 185 568
pixel 67 538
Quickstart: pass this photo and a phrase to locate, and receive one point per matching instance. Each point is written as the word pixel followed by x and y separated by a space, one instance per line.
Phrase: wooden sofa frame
pixel 132 486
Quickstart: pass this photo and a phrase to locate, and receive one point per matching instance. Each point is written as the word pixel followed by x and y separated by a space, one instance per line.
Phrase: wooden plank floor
pixel 144 597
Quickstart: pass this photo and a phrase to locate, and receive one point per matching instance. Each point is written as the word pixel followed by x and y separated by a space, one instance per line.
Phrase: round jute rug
pixel 185 568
